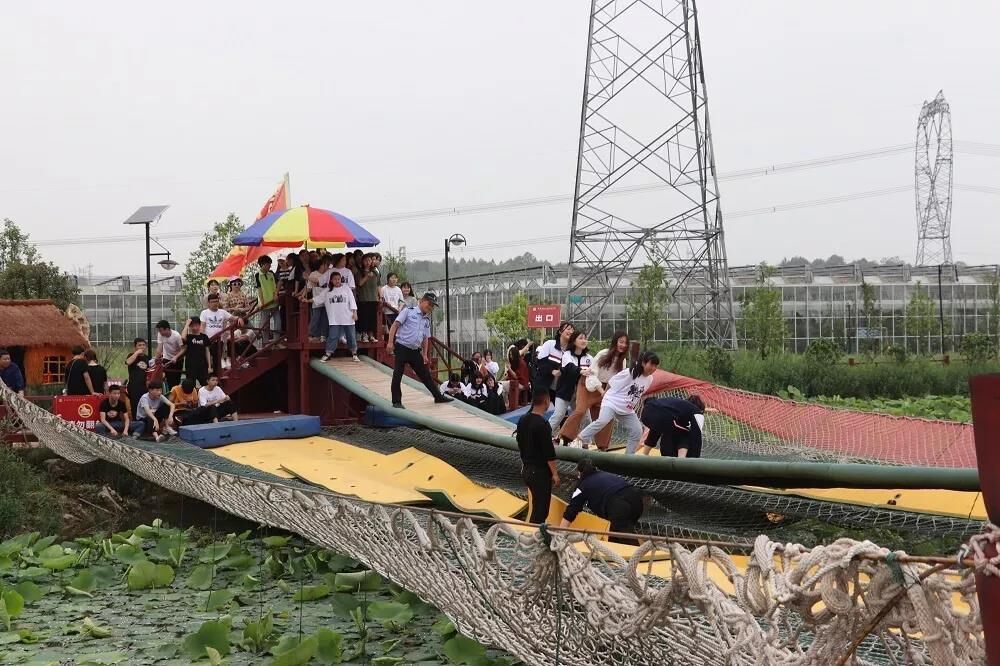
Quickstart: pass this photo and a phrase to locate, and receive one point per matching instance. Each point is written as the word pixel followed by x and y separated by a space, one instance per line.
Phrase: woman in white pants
pixel 620 401
pixel 576 362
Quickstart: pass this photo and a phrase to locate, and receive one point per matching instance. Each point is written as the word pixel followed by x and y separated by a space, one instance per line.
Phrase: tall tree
pixel 24 275
pixel 920 320
pixel 763 321
pixel 15 246
pixel 508 322
pixel 38 280
pixel 648 300
pixel 214 247
pixel 394 263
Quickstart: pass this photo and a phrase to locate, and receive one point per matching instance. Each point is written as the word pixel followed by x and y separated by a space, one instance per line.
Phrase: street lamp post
pixel 146 216
pixel 456 240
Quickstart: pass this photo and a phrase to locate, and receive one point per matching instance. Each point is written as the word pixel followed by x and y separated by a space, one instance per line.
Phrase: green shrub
pixel 719 363
pixel 26 501
pixel 978 348
pixel 824 352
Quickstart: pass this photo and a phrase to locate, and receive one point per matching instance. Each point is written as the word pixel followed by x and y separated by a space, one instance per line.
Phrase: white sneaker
pixel 170 431
pixel 577 444
pixel 324 358
pixel 356 359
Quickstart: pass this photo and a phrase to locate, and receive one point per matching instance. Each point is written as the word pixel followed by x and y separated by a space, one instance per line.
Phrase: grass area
pixel 26 501
pixel 945 407
pixel 156 595
pixel 113 360
pixel 881 378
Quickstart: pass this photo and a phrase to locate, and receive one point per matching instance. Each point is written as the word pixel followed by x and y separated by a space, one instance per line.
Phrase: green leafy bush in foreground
pixel 25 498
pixel 157 595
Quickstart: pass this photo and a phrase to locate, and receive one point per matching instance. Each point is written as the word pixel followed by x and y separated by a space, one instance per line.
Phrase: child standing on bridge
pixel 341 313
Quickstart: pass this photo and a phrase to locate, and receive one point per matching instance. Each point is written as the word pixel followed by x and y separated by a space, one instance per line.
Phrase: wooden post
pixel 986 424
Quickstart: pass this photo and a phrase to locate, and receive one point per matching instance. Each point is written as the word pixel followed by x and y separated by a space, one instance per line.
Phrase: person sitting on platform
pixel 184 396
pixel 675 424
pixel 454 387
pixel 156 413
pixel 538 456
pixel 409 342
pixel 518 369
pixel 214 404
pixel 492 367
pixel 476 393
pixel 494 397
pixel 10 373
pixel 341 314
pixel 609 496
pixel 114 417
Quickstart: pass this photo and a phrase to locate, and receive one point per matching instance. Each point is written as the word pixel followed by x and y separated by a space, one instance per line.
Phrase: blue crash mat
pixel 210 435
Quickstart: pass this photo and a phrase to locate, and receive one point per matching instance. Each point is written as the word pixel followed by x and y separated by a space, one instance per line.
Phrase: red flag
pixel 240 257
pixel 278 201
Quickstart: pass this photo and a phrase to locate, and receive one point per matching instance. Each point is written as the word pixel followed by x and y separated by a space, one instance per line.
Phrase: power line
pixel 777 208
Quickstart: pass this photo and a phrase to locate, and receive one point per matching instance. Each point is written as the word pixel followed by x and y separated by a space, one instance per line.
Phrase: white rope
pixel 789 606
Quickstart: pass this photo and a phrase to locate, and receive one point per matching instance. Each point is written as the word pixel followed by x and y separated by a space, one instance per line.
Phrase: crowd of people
pixel 588 395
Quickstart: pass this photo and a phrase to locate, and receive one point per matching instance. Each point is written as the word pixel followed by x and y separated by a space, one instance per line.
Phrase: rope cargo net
pixel 552 597
pixel 751 424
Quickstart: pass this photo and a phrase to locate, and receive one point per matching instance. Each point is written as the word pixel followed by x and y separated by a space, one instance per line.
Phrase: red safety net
pixel 760 424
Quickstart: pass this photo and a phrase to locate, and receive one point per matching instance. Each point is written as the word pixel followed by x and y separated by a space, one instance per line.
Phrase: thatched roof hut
pixel 39 337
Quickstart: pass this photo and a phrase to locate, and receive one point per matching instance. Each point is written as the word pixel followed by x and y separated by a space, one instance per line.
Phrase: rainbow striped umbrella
pixel 305 225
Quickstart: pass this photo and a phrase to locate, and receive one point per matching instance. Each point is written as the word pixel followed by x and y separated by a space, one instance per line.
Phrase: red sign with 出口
pixel 544 316
pixel 80 409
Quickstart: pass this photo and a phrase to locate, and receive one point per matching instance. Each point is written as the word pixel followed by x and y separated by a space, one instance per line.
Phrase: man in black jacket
pixel 609 496
pixel 675 425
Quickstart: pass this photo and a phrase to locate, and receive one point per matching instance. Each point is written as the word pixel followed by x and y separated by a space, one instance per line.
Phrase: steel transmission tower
pixel 933 183
pixel 646 187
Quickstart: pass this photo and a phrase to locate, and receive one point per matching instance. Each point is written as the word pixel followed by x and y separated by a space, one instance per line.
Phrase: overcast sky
pixel 388 107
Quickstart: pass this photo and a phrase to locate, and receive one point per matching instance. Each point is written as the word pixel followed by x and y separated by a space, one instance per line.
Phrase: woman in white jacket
pixel 622 397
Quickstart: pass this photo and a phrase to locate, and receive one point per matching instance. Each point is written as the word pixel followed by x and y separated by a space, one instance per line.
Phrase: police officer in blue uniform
pixel 409 343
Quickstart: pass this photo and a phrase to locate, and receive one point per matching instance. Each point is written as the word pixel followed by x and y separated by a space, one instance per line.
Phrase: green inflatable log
pixel 694 470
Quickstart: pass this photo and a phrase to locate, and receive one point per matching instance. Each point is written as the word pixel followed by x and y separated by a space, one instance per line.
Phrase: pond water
pixel 156 595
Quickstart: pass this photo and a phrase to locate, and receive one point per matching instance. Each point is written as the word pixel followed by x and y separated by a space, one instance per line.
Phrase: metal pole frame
pixel 606 249
pixel 933 182
pixel 447 296
pixel 149 291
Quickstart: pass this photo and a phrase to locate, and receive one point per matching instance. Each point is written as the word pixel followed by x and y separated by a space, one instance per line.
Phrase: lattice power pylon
pixel 646 187
pixel 933 183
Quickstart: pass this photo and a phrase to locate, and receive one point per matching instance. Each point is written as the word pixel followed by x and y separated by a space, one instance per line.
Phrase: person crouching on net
pixel 409 343
pixel 620 400
pixel 609 496
pixel 675 425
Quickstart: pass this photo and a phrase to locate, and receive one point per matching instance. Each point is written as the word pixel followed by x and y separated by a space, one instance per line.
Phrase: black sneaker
pixel 442 399
pixel 398 405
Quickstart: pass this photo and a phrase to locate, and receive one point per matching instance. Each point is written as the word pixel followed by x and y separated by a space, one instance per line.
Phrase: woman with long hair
pixel 494 397
pixel 620 401
pixel 607 363
pixel 549 359
pixel 367 299
pixel 576 361
pixel 518 369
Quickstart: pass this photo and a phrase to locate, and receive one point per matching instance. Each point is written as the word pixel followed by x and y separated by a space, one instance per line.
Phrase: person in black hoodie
pixel 494 397
pixel 609 496
pixel 575 359
pixel 548 359
pixel 675 424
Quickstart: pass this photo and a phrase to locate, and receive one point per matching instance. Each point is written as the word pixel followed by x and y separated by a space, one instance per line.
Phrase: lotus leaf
pixel 292 652
pixel 60 563
pixel 201 577
pixel 145 575
pixel 330 646
pixel 213 634
pixel 366 581
pixel 215 552
pixel 461 650
pixel 344 604
pixel 29 591
pixel 129 554
pixel 216 600
pixel 311 593
pixel 390 613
